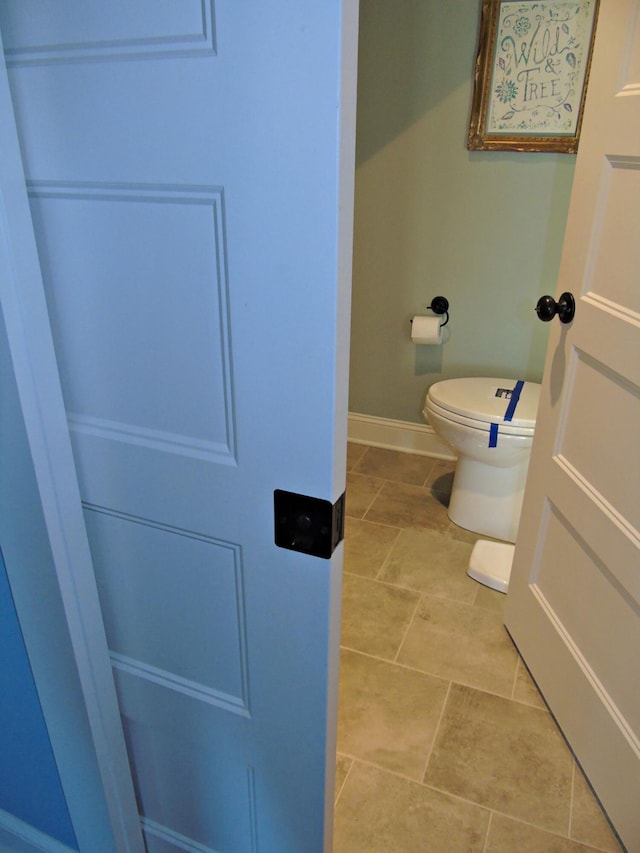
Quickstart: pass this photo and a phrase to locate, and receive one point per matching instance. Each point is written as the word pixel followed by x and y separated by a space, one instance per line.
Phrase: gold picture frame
pixel 531 75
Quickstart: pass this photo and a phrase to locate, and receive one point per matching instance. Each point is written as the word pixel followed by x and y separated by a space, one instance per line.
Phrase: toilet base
pixel 488 500
pixel 490 564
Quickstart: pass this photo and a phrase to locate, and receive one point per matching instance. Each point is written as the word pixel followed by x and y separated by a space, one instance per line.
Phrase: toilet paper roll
pixel 426 330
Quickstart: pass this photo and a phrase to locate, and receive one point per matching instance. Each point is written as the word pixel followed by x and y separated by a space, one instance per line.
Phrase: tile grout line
pixel 421 592
pixel 486 838
pixel 372 501
pixel 435 733
pixel 387 478
pixel 494 811
pixel 365 762
pixel 389 552
pixel 376 523
pixel 431 470
pixel 344 781
pixel 383 582
pixel 404 666
pixel 404 636
pixel 573 789
pixel 435 675
pixel 515 680
pixel 356 759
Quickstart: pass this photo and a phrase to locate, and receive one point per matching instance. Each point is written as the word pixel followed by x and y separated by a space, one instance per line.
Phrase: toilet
pixel 489 425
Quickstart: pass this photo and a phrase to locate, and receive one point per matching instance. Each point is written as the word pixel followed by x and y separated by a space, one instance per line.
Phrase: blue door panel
pixel 30 787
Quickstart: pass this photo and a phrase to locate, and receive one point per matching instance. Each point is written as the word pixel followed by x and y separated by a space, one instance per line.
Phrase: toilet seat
pixel 478 402
pixel 481 426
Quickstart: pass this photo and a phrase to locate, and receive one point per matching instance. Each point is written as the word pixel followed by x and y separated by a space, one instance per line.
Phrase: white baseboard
pixel 396 435
pixel 16 836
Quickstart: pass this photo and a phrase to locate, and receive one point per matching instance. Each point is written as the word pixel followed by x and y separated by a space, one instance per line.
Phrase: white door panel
pixel 573 606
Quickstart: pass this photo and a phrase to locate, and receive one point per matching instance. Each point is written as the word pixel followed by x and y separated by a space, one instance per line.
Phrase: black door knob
pixel 565 308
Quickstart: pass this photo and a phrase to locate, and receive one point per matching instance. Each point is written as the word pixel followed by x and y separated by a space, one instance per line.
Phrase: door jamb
pixel 27 325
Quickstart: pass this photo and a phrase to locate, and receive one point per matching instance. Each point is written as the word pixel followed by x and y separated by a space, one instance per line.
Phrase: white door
pixel 189 168
pixel 573 606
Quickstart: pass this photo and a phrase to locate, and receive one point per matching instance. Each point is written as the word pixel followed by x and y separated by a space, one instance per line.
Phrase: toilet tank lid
pixel 488 399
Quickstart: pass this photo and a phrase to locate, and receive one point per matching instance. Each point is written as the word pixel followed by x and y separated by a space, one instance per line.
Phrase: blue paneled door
pixel 184 173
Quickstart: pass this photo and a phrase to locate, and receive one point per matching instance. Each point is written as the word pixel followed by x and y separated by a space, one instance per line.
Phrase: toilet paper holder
pixel 440 305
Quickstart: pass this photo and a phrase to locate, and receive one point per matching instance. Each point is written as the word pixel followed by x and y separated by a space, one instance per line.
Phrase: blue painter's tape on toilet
pixel 513 402
pixel 508 415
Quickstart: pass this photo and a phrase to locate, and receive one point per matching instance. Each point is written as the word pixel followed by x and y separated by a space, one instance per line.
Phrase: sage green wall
pixel 484 229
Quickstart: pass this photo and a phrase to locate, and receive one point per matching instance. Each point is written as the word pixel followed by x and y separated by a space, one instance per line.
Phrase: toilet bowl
pixel 489 425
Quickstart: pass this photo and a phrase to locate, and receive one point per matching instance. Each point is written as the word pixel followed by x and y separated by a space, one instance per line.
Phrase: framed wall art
pixel 531 74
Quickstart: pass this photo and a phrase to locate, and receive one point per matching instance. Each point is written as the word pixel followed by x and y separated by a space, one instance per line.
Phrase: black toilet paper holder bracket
pixel 440 305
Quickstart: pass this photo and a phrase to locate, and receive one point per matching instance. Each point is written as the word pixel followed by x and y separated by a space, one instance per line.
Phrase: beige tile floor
pixel 444 743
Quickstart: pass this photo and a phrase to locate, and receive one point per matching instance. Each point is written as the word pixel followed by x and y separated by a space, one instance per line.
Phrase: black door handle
pixel 565 308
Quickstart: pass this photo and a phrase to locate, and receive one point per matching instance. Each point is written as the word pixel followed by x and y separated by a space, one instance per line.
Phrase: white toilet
pixel 489 424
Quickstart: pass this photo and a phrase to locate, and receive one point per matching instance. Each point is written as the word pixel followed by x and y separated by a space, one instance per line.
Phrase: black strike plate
pixel 310 525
